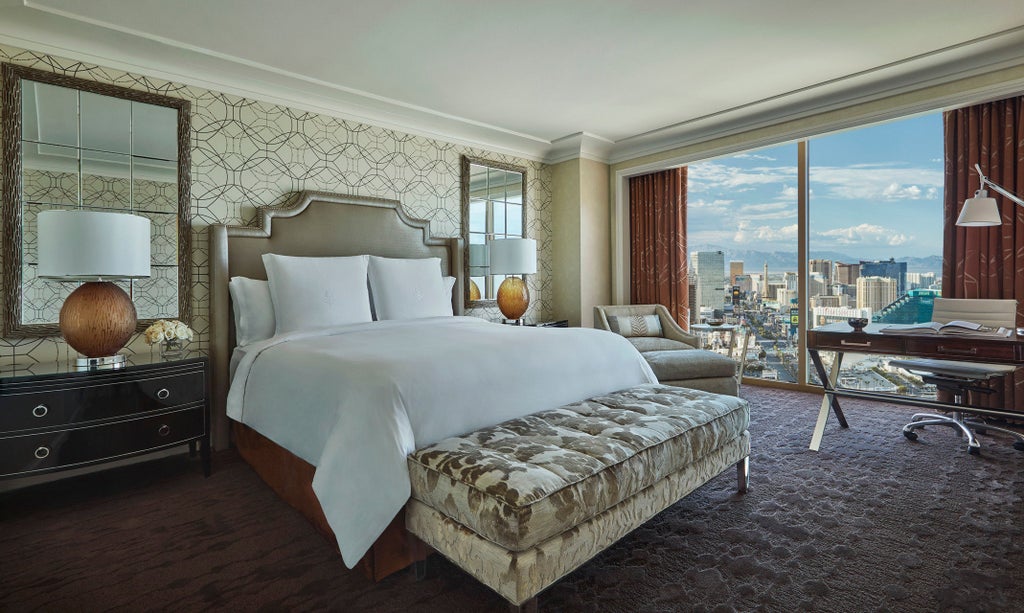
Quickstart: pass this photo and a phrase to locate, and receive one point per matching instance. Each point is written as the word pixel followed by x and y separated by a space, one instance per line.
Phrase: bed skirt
pixel 292 479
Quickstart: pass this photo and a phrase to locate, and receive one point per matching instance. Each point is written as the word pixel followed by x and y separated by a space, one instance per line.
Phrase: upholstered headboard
pixel 314 224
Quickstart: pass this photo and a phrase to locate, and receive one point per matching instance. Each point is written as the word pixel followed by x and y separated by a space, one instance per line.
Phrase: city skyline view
pixel 875 193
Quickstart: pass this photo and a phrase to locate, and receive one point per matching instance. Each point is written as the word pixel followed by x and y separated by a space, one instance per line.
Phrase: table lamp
pixel 513 256
pixel 98 318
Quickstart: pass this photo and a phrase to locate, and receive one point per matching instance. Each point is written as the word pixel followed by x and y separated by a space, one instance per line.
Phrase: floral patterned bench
pixel 522 504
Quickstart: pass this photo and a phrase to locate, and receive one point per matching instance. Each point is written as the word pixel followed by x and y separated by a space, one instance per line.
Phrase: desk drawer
pixel 80 403
pixel 862 343
pixel 45 451
pixel 963 349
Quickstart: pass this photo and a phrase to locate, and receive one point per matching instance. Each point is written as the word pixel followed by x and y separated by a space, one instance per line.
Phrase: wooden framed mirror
pixel 69 143
pixel 493 206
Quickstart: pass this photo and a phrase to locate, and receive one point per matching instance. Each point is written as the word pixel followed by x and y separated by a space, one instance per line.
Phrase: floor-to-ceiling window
pixel 872 239
pixel 742 232
pixel 875 236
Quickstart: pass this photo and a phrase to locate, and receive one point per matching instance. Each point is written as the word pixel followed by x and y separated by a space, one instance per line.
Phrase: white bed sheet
pixel 355 400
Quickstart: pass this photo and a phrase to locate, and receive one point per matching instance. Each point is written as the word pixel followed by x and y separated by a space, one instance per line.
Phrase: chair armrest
pixel 671 329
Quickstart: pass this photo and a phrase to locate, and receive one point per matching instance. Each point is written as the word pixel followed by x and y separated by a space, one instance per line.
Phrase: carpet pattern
pixel 872 522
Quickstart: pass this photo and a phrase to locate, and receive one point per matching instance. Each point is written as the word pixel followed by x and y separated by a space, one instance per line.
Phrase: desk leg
pixel 828 383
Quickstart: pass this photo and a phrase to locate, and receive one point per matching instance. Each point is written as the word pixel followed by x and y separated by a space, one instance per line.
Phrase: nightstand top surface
pixel 135 363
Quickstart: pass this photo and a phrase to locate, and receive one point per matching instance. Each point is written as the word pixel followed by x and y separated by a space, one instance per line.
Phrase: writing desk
pixel 841 338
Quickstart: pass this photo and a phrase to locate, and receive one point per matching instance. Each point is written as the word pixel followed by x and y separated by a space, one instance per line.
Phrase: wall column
pixel 582 238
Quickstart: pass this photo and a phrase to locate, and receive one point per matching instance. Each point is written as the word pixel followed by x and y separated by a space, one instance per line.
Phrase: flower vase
pixel 172 349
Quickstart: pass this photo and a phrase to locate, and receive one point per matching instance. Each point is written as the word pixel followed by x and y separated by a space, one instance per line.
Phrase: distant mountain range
pixel 780 261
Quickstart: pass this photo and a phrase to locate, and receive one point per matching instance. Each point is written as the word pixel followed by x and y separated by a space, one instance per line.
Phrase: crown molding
pixel 71 37
pixel 36 28
pixel 579 145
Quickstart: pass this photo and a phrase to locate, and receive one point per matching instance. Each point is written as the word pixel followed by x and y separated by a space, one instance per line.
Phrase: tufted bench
pixel 523 503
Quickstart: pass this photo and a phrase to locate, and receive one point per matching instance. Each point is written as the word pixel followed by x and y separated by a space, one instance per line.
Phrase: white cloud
pixel 874 182
pixel 788 193
pixel 714 176
pixel 764 234
pixel 766 211
pixel 755 156
pixel 865 234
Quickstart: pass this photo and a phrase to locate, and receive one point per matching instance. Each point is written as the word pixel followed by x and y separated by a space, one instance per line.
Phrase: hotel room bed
pixel 337 419
pixel 359 377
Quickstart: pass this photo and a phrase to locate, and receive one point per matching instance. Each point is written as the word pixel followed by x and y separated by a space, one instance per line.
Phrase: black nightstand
pixel 558 323
pixel 53 417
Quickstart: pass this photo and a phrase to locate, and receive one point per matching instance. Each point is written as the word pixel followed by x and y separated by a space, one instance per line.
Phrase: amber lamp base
pixel 97 319
pixel 513 297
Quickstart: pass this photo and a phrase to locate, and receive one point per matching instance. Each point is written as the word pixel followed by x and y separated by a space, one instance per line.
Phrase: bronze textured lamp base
pixel 513 297
pixel 97 319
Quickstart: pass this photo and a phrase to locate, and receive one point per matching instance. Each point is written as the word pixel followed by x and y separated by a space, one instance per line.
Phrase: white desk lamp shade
pixel 981 210
pixel 513 256
pixel 92 245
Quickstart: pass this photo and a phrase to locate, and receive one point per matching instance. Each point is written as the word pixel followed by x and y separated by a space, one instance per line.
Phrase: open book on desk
pixel 953 328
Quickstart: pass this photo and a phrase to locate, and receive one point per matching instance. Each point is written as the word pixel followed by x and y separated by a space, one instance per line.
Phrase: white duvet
pixel 355 400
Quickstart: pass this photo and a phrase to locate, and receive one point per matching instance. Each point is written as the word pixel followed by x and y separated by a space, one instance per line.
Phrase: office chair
pixel 963 378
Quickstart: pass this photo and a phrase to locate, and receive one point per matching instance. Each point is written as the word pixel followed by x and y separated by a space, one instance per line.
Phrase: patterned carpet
pixel 873 522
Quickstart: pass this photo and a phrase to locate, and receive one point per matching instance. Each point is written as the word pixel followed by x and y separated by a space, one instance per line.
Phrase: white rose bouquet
pixel 167 330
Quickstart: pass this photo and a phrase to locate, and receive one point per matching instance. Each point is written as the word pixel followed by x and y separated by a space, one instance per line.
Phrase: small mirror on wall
pixel 70 143
pixel 493 207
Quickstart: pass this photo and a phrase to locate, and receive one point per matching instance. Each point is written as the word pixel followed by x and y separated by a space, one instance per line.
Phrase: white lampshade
pixel 513 256
pixel 979 211
pixel 92 245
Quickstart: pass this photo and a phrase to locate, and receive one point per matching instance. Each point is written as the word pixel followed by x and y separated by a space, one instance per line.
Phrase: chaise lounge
pixel 674 355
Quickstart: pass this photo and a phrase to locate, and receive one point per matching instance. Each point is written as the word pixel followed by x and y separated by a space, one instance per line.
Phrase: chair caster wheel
pixel 974 450
pixel 910 434
pixel 1019 445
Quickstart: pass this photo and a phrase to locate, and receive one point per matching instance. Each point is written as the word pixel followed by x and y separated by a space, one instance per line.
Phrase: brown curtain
pixel 986 262
pixel 657 230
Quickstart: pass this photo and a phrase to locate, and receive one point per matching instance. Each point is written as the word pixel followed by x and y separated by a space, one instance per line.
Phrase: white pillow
pixel 253 308
pixel 449 284
pixel 317 292
pixel 408 288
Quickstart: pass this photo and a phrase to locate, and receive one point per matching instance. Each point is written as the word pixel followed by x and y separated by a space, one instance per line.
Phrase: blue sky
pixel 876 193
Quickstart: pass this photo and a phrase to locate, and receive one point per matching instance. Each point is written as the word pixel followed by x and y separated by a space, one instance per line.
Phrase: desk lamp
pixel 98 318
pixel 981 210
pixel 513 256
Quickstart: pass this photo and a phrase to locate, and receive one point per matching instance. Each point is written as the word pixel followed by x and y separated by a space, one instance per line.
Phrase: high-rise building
pixel 735 269
pixel 709 271
pixel 823 268
pixel 764 281
pixel 830 314
pixel 840 300
pixel 846 273
pixel 745 283
pixel 876 293
pixel 890 269
pixel 694 308
pixel 817 285
pixel 920 280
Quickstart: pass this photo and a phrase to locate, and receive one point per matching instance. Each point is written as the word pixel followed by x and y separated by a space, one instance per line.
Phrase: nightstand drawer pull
pixel 42 452
pixel 164 430
pixel 163 393
pixel 40 411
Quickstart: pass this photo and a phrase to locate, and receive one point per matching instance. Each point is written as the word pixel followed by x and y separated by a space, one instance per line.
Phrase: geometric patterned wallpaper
pixel 248 154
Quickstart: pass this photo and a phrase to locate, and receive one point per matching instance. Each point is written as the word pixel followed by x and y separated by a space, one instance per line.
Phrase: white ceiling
pixel 526 76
